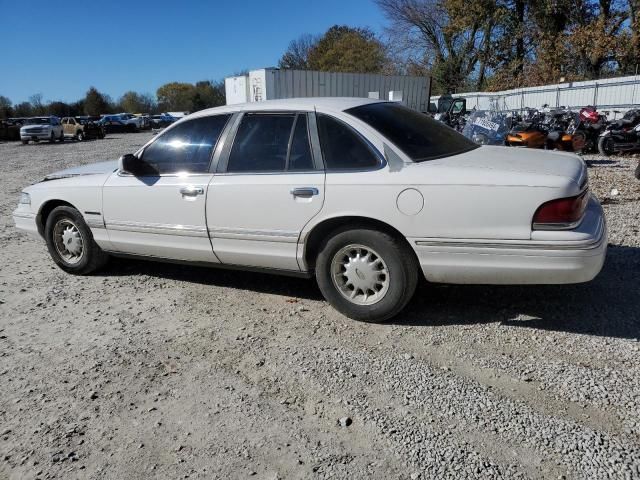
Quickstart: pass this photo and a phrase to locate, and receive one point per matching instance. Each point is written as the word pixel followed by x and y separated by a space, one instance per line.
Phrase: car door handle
pixel 191 191
pixel 305 192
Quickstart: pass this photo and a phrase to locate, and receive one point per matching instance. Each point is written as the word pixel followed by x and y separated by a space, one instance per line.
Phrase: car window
pixel 187 147
pixel 300 152
pixel 343 148
pixel 416 134
pixel 261 143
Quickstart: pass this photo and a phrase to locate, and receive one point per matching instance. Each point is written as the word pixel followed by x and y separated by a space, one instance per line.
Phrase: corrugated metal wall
pixel 304 83
pixel 267 84
pixel 613 93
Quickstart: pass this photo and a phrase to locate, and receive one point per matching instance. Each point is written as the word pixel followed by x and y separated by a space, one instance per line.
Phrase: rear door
pixel 270 183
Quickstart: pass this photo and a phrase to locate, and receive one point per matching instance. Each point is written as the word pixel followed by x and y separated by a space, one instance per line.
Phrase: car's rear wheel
pixel 24 142
pixel 366 274
pixel 70 242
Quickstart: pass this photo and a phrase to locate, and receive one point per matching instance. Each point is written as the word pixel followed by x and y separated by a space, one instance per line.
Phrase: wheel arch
pixel 46 209
pixel 315 237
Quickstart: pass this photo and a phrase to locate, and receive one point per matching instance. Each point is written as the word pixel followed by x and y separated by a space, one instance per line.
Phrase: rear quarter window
pixel 419 136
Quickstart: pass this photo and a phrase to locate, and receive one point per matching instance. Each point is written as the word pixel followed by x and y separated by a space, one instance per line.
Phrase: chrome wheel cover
pixel 68 241
pixel 360 274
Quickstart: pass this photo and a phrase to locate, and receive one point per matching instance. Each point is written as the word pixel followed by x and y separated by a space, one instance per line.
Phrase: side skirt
pixel 271 271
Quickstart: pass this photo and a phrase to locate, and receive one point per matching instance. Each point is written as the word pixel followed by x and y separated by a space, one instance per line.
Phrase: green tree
pixel 96 103
pixel 60 109
pixel 6 107
pixel 23 109
pixel 347 49
pixel 176 97
pixel 208 94
pixel 136 103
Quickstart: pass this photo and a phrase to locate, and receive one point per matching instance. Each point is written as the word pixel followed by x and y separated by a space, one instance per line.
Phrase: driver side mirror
pixel 129 163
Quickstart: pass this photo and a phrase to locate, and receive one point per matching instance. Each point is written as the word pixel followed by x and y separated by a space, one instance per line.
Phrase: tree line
pixel 170 97
pixel 484 44
pixel 463 45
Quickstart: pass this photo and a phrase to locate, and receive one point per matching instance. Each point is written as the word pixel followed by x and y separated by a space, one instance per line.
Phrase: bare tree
pixel 445 38
pixel 297 54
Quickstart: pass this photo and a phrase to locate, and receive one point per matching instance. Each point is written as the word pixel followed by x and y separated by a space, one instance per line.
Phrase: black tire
pixel 91 258
pixel 637 173
pixel 606 146
pixel 24 142
pixel 400 263
pixel 52 138
pixel 80 136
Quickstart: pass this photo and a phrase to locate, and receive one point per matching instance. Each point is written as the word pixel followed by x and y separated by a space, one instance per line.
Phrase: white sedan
pixel 362 194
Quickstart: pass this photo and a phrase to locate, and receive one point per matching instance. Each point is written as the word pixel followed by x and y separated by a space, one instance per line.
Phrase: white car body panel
pixel 263 228
pixel 467 217
pixel 155 219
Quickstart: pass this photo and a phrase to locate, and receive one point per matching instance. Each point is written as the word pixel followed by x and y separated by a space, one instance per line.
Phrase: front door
pixel 269 187
pixel 162 213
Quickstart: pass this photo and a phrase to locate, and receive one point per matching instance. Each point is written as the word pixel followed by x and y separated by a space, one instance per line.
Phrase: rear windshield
pixel 416 134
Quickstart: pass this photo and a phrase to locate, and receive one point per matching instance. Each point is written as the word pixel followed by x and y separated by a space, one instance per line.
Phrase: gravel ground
pixel 162 371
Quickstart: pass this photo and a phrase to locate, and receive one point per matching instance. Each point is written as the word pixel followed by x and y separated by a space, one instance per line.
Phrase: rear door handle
pixel 191 191
pixel 305 192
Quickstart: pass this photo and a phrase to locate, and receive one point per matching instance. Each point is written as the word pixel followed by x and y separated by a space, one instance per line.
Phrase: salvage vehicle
pixel 81 128
pixel 486 127
pixel 163 120
pixel 621 135
pixel 41 128
pixel 120 123
pixel 362 194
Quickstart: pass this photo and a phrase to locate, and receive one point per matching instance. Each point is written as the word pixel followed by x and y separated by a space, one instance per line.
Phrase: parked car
pixel 81 128
pixel 10 129
pixel 364 195
pixel 163 120
pixel 116 124
pixel 130 119
pixel 41 128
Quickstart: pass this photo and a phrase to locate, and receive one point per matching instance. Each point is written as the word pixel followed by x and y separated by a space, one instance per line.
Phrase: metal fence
pixel 621 93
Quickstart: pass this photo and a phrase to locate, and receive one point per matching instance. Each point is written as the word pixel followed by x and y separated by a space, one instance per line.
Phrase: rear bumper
pixel 557 257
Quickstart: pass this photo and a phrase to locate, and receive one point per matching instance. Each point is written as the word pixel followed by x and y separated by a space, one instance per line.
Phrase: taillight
pixel 560 214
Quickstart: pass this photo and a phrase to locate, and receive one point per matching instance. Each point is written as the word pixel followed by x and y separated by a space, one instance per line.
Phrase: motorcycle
pixel 549 130
pixel 487 127
pixel 529 132
pixel 587 124
pixel 621 135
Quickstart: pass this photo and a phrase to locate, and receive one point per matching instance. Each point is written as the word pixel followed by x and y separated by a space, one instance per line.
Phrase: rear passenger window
pixel 343 148
pixel 187 147
pixel 271 143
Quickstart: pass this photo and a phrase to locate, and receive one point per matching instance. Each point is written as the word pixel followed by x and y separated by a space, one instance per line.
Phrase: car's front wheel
pixel 70 242
pixel 80 136
pixel 366 274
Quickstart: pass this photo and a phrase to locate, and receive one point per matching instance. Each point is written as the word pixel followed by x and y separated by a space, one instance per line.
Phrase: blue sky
pixel 61 48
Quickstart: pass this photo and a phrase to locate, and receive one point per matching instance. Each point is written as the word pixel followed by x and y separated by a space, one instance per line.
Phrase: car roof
pixel 322 103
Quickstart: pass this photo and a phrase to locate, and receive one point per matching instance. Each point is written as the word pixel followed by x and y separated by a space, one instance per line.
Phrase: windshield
pixel 416 134
pixel 38 121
